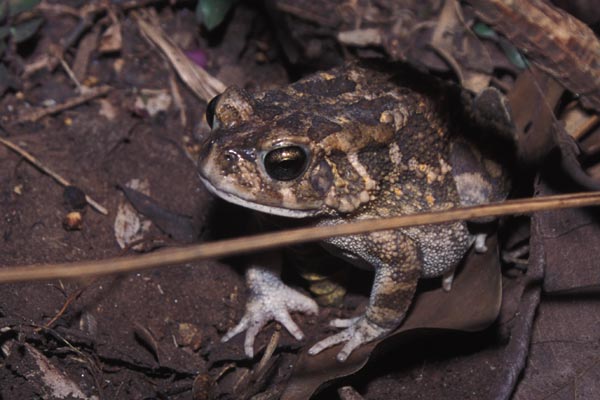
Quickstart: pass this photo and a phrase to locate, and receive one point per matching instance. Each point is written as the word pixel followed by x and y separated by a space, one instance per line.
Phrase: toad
pixel 358 142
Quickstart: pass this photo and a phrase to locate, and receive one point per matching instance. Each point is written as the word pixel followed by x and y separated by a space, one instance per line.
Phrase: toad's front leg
pixel 269 300
pixel 397 271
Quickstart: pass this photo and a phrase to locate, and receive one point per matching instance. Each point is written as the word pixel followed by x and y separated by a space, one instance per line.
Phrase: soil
pixel 132 336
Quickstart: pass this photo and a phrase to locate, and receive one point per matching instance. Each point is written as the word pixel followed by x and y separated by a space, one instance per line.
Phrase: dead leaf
pixel 87 45
pixel 570 238
pixel 204 85
pixel 151 102
pixel 50 381
pixel 129 226
pixel 532 101
pixel 558 43
pixel 179 227
pixel 461 49
pixel 107 109
pixel 111 40
pixel 563 353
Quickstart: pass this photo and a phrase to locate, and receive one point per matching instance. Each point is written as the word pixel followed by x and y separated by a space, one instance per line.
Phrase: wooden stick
pixel 83 98
pixel 288 237
pixel 29 157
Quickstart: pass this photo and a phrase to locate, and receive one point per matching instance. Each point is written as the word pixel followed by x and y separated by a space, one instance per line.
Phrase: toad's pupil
pixel 286 163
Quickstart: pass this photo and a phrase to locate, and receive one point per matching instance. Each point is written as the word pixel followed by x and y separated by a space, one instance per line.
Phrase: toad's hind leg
pixel 397 271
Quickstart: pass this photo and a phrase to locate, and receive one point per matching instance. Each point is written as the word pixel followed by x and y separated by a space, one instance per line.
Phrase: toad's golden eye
pixel 286 163
pixel 210 110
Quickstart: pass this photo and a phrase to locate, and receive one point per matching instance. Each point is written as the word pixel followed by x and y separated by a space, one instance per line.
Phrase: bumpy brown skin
pixel 376 147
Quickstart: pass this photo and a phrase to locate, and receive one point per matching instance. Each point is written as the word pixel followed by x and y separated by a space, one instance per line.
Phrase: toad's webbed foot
pixel 358 331
pixel 396 275
pixel 270 299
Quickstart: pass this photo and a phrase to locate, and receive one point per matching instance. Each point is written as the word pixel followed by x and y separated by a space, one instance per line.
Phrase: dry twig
pixel 71 75
pixel 72 297
pixel 26 155
pixel 269 350
pixel 178 99
pixel 289 237
pixel 86 96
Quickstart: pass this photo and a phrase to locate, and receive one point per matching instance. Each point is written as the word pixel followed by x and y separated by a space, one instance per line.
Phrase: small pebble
pixel 73 221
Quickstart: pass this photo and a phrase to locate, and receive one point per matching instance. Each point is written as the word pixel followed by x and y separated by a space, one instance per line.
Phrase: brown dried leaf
pixel 461 49
pixel 48 380
pixel 108 110
pixel 111 40
pixel 129 226
pixel 179 227
pixel 151 102
pixel 532 102
pixel 204 85
pixel 564 355
pixel 554 40
pixel 87 45
pixel 570 240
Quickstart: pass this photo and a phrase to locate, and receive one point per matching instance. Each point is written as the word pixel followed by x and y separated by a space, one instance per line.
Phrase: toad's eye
pixel 210 110
pixel 286 163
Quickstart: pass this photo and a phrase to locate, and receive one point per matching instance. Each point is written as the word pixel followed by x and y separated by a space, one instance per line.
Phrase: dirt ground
pixel 136 336
pixel 156 334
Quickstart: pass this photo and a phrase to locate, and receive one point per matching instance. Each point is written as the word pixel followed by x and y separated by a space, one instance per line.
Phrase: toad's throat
pixel 232 198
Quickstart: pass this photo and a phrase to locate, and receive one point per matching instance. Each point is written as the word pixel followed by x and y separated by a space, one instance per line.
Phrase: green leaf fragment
pixel 24 31
pixel 212 12
pixel 514 55
pixel 511 52
pixel 484 31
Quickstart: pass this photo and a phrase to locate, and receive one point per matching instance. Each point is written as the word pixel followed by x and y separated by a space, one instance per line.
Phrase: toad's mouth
pixel 234 199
